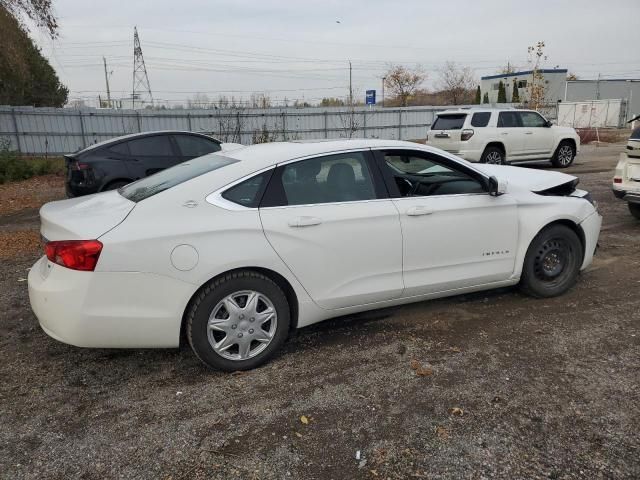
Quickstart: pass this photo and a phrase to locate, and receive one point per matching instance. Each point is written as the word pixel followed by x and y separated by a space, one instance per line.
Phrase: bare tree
pixel 536 88
pixel 199 100
pixel 259 100
pixel 403 81
pixel 39 11
pixel 457 83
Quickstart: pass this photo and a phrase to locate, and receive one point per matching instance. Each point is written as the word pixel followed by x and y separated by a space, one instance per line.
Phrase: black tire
pixel 115 185
pixel 202 306
pixel 634 208
pixel 493 155
pixel 552 263
pixel 564 154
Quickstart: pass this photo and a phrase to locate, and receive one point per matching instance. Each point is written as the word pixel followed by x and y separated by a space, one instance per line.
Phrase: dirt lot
pixel 544 388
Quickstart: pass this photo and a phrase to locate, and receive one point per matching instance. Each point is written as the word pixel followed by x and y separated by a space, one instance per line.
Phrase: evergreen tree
pixel 516 94
pixel 478 96
pixel 485 99
pixel 502 93
pixel 26 77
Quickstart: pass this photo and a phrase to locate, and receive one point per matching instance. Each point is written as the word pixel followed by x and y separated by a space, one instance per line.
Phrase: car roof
pixel 480 109
pixel 268 154
pixel 132 136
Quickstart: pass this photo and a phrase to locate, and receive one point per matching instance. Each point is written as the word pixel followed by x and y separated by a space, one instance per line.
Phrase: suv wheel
pixel 493 155
pixel 565 153
pixel 634 208
pixel 552 263
pixel 238 321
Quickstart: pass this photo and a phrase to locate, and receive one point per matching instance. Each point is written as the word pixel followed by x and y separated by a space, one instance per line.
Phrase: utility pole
pixel 106 79
pixel 350 87
pixel 598 88
pixel 384 80
pixel 141 87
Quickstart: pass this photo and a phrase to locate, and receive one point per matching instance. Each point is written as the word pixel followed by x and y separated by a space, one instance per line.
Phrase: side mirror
pixel 497 187
pixel 548 124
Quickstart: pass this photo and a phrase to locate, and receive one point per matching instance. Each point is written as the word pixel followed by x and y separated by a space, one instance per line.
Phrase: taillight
pixel 80 166
pixel 74 254
pixel 466 134
pixel 617 180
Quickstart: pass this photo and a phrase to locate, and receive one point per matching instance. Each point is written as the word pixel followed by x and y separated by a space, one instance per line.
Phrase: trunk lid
pixel 534 180
pixel 83 218
pixel 446 130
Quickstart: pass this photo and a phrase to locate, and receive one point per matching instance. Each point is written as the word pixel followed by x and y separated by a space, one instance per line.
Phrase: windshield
pixel 165 179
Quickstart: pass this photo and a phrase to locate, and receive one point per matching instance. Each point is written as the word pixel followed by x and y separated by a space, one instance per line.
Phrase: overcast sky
pixel 300 49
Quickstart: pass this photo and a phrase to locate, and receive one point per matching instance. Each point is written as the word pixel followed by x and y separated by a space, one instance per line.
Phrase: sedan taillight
pixel 74 254
pixel 466 134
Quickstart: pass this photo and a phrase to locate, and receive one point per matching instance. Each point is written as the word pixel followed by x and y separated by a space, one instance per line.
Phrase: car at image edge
pixel 232 251
pixel 502 136
pixel 626 180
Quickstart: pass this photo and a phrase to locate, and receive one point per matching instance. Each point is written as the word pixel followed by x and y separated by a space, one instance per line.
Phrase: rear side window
pixel 170 177
pixel 508 120
pixel 157 146
pixel 119 149
pixel 449 122
pixel 480 119
pixel 192 146
pixel 249 192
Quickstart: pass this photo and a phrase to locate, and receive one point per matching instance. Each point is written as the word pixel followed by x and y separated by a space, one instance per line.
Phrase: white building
pixel 626 89
pixel 555 81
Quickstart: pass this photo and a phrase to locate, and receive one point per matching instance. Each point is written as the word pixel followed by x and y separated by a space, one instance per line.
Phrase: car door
pixel 192 146
pixel 330 220
pixel 511 135
pixel 455 235
pixel 538 136
pixel 151 154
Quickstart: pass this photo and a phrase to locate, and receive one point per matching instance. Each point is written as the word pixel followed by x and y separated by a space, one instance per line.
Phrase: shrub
pixel 14 168
pixel 502 93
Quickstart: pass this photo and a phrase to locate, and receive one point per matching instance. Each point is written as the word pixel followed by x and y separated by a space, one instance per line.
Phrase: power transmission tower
pixel 141 87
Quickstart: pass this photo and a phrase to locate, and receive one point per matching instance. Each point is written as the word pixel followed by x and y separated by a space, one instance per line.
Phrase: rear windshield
pixel 165 179
pixel 449 122
pixel 635 135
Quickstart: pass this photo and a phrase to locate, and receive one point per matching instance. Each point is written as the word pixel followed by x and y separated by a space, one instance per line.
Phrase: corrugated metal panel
pixel 58 131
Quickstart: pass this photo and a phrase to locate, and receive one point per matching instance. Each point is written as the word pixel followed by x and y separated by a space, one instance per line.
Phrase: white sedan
pixel 233 250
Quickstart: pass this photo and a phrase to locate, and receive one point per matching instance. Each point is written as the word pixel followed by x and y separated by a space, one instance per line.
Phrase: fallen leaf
pixel 374 473
pixel 304 420
pixel 415 365
pixel 456 411
pixel 424 371
pixel 442 433
pixel 298 434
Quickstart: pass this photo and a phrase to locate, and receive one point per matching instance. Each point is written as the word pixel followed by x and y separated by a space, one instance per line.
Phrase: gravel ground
pixel 489 385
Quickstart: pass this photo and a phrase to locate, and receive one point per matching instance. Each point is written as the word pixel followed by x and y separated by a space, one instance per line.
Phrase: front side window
pixel 420 175
pixel 343 177
pixel 532 120
pixel 192 146
pixel 156 146
pixel 170 177
pixel 480 119
pixel 508 120
pixel 449 122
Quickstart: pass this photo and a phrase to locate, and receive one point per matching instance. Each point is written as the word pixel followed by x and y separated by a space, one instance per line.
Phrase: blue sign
pixel 370 98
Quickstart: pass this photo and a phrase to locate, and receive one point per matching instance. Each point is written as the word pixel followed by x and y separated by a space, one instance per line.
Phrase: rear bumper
pixel 591 228
pixel 107 309
pixel 627 196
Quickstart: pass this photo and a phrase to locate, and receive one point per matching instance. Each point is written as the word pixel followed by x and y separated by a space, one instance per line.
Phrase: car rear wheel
pixel 634 208
pixel 552 263
pixel 238 322
pixel 565 153
pixel 493 155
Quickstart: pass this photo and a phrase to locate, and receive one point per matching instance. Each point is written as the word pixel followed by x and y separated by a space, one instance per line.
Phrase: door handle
pixel 505 133
pixel 419 210
pixel 528 133
pixel 304 221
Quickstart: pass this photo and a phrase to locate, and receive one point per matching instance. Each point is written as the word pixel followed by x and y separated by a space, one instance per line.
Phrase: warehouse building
pixel 623 89
pixel 555 80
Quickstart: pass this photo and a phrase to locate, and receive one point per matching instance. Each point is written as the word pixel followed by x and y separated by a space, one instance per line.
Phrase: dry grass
pixel 606 135
pixel 31 193
pixel 19 243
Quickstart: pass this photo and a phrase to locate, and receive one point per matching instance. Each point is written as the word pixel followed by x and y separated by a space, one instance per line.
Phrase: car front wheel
pixel 238 321
pixel 552 263
pixel 565 153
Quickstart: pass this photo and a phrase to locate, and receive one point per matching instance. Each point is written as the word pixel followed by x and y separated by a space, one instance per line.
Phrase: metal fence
pixel 593 114
pixel 54 131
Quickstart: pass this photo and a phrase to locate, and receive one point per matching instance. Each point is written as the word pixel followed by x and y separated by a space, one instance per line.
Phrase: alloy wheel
pixel 565 155
pixel 494 158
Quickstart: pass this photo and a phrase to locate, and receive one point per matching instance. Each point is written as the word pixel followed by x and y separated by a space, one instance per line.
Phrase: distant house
pixel 555 81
